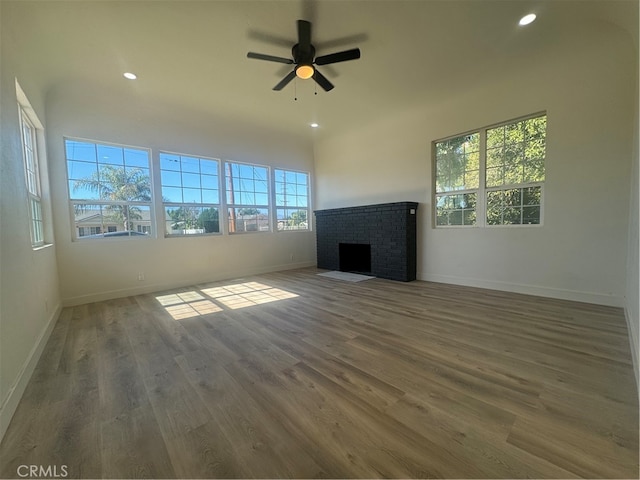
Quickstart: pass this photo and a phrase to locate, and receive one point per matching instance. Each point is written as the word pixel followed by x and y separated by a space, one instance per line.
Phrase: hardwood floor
pixel 296 375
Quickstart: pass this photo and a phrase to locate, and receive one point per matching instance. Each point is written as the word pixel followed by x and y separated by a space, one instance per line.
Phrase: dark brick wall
pixel 390 229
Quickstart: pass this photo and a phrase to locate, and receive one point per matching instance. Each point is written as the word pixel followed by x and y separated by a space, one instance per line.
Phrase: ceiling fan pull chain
pixel 295 89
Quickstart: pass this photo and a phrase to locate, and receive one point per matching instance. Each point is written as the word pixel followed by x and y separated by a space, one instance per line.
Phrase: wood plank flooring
pixel 293 375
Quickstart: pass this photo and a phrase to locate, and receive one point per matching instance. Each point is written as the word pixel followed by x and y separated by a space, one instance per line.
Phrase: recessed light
pixel 527 19
pixel 130 76
pixel 314 125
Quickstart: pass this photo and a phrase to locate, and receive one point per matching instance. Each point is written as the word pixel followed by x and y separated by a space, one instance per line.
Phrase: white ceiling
pixel 191 55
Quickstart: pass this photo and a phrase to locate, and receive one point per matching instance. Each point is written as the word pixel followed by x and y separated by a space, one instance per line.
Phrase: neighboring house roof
pixel 92 216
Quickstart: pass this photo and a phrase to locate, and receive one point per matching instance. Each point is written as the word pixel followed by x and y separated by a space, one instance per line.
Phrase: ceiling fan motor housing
pixel 301 57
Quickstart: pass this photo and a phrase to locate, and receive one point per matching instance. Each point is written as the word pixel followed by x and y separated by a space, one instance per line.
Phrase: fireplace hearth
pixel 378 240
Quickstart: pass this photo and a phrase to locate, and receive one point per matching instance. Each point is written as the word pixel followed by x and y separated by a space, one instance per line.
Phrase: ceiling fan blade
pixel 269 58
pixel 283 83
pixel 352 54
pixel 322 81
pixel 304 35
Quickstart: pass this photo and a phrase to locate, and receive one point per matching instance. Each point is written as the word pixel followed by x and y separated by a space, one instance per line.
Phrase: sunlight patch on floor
pixel 239 295
pixel 188 310
pixel 246 294
pixel 179 298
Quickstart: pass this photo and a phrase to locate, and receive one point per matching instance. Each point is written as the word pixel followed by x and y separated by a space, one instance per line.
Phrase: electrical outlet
pixel 140 276
pixel 291 257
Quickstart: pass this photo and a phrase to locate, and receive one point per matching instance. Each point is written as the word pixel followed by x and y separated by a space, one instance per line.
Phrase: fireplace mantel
pixel 390 229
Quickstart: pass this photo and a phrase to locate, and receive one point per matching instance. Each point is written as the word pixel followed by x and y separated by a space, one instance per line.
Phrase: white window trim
pixel 481 191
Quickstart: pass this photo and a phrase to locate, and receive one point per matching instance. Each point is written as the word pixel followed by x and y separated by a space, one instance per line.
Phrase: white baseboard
pixel 10 402
pixel 158 287
pixel 561 294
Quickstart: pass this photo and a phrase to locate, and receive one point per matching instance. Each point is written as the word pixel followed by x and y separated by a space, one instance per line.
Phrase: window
pixel 110 193
pixel 85 231
pixel 492 177
pixel 247 189
pixel 109 189
pixel 31 150
pixel 32 176
pixel 457 180
pixel 190 193
pixel 515 172
pixel 292 200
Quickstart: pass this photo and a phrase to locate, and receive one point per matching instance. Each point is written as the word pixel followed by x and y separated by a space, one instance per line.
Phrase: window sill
pixel 42 247
pixel 191 235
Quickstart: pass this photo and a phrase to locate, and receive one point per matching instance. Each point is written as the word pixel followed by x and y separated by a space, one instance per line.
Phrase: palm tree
pixel 121 185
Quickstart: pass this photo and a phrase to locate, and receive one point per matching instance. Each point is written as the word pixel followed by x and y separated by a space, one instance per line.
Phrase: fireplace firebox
pixel 354 257
pixel 388 230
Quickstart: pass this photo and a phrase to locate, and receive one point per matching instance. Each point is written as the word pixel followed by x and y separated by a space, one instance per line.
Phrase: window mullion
pixel 222 188
pixel 158 213
pixel 481 203
pixel 273 208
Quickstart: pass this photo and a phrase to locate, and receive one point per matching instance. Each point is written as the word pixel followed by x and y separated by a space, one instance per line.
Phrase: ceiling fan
pixel 304 59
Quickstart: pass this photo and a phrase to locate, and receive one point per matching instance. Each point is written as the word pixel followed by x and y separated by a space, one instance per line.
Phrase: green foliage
pixel 458 163
pixel 516 152
pixel 297 218
pixel 183 218
pixel 188 217
pixel 209 220
pixel 119 184
pixel 456 209
pixel 514 206
pixel 248 211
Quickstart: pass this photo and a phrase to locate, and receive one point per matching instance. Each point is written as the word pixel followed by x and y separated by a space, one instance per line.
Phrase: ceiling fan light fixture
pixel 304 71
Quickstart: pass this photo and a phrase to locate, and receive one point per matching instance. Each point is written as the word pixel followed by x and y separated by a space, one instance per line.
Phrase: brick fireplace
pixel 378 240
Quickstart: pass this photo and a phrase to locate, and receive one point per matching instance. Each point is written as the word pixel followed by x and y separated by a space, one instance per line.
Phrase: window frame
pixel 33 181
pixel 73 202
pixel 93 162
pixel 275 200
pixel 462 191
pixel 482 190
pixel 218 206
pixel 228 205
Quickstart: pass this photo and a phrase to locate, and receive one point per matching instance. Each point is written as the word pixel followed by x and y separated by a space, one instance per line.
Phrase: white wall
pixel 29 287
pixel 95 270
pixel 586 87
